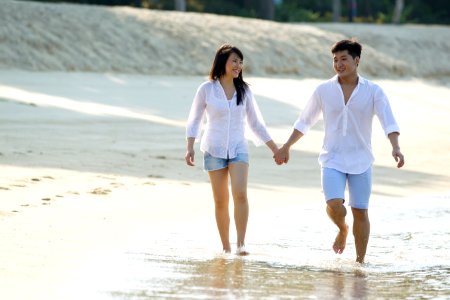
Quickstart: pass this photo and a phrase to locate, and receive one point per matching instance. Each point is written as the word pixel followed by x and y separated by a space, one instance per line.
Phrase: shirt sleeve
pixel 258 132
pixel 310 114
pixel 195 119
pixel 384 113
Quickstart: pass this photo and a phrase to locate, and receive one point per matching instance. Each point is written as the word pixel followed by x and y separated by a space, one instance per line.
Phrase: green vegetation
pixel 364 11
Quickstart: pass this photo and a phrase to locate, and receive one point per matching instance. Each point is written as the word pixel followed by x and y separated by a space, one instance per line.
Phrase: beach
pixel 96 200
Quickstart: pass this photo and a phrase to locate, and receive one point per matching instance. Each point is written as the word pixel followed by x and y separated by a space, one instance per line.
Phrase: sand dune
pixel 66 37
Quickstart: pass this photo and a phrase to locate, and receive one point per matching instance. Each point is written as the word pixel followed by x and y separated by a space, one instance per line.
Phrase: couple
pixel 347 102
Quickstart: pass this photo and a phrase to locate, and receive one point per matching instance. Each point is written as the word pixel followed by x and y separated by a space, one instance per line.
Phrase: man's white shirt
pixel 348 127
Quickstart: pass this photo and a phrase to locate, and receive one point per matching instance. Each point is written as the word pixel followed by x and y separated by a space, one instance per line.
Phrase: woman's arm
pixel 272 146
pixel 190 153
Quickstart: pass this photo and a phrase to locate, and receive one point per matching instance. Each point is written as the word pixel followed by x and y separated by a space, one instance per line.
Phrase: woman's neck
pixel 226 81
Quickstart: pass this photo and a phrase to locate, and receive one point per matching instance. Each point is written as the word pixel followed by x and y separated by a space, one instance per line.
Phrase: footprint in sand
pixel 46 201
pixel 155 176
pixel 36 179
pixel 106 177
pixel 149 183
pixel 18 185
pixel 117 184
pixel 100 191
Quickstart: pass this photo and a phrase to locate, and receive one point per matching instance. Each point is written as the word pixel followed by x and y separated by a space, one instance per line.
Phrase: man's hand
pixel 398 156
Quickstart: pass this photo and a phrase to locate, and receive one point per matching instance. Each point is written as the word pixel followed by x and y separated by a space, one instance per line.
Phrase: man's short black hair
pixel 353 47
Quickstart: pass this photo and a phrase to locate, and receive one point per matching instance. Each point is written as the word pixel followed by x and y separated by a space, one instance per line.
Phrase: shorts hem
pixel 207 170
pixel 238 162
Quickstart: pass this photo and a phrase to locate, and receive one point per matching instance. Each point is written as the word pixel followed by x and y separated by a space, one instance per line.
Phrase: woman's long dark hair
pixel 218 69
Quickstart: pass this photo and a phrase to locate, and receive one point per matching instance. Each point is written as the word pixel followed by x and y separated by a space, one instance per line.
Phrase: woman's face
pixel 233 66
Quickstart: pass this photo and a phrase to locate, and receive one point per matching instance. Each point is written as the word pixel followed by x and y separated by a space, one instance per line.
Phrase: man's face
pixel 344 64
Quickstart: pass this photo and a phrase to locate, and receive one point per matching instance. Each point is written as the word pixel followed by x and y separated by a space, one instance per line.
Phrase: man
pixel 348 103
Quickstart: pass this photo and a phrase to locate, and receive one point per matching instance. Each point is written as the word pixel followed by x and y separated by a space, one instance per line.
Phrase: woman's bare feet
pixel 242 251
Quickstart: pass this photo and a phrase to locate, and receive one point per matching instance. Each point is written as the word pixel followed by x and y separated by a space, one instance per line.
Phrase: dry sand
pixel 88 158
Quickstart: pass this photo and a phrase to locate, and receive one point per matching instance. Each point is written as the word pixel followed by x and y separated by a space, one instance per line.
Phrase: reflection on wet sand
pixel 239 278
pixel 229 277
pixel 225 277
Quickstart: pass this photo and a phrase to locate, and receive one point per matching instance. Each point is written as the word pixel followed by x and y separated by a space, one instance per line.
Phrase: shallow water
pixel 291 258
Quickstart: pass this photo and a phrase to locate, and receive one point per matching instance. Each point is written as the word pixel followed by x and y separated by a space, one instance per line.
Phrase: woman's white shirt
pixel 348 127
pixel 227 124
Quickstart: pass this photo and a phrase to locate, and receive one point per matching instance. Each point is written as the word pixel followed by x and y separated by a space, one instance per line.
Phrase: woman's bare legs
pixel 219 184
pixel 239 176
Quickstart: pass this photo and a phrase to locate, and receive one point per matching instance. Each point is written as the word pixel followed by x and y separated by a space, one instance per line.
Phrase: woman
pixel 230 106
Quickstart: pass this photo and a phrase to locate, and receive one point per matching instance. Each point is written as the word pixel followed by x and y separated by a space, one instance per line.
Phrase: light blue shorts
pixel 359 186
pixel 211 163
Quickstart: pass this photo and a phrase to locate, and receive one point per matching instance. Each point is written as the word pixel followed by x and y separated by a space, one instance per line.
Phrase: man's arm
pixel 282 156
pixel 398 156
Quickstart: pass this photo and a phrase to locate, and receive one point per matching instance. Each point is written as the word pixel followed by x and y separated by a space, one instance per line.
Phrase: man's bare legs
pixel 219 184
pixel 239 175
pixel 361 227
pixel 361 231
pixel 337 212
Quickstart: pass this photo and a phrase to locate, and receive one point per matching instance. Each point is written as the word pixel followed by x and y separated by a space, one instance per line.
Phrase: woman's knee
pixel 240 196
pixel 221 202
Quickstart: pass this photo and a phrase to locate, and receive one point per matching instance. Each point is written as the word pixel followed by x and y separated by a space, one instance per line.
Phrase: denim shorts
pixel 359 186
pixel 211 163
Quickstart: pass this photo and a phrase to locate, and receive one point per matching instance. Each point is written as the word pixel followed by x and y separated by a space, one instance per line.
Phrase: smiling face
pixel 233 67
pixel 344 64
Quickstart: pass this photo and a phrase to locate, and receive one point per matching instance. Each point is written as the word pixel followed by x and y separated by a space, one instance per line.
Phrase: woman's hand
pixel 190 157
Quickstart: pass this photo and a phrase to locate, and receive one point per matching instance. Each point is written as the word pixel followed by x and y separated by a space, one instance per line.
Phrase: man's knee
pixel 336 206
pixel 360 214
pixel 335 203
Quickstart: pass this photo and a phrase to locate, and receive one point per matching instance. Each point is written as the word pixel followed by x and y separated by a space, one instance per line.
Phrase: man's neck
pixel 348 80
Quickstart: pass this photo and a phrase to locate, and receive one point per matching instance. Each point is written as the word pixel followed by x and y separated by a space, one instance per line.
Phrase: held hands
pixel 398 156
pixel 282 155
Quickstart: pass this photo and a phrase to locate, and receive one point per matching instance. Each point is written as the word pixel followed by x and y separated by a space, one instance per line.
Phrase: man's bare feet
pixel 340 241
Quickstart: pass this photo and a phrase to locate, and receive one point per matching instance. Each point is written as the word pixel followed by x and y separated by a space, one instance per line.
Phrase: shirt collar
pixel 361 80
